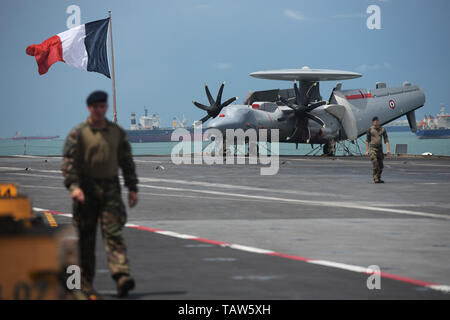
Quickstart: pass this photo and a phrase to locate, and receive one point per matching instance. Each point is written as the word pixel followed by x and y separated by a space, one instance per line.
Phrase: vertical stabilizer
pixel 412 120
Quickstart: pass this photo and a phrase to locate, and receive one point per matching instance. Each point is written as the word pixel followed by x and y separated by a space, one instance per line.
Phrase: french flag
pixel 82 47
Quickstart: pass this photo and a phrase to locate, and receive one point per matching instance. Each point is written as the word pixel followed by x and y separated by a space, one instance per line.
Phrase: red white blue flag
pixel 82 47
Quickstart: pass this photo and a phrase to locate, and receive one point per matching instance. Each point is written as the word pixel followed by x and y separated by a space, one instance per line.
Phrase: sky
pixel 165 50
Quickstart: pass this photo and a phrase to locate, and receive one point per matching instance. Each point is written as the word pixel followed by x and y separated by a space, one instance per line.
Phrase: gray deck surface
pixel 320 208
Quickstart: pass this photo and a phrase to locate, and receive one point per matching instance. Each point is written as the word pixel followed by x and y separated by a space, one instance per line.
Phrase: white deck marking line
pixel 248 249
pixel 348 267
pixel 230 186
pixel 131 225
pixel 431 183
pixel 45 187
pixel 23 169
pixel 177 181
pixel 68 215
pixel 215 198
pixel 176 234
pixel 205 184
pixel 443 288
pixel 305 202
pixel 411 162
pixel 223 198
pixel 338 265
pixel 308 202
pixel 35 175
pixel 148 161
pixel 198 197
pixel 157 194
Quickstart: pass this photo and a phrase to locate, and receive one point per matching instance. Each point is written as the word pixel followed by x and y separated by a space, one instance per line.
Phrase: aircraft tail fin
pixel 412 120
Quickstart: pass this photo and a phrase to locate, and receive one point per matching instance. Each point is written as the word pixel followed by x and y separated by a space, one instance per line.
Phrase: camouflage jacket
pixel 375 136
pixel 91 153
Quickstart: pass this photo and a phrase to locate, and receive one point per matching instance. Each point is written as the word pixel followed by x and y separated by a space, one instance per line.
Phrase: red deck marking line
pixel 58 213
pixel 219 243
pixel 406 279
pixel 144 228
pixel 55 212
pixel 288 256
pixel 330 264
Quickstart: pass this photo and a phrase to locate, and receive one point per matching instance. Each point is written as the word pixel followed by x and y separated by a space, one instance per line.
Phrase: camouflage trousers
pixel 376 156
pixel 103 203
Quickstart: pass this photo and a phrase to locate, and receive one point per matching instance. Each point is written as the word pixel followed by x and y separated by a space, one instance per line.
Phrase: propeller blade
pixel 297 94
pixel 297 123
pixel 315 105
pixel 286 102
pixel 219 95
pixel 308 134
pixel 309 90
pixel 231 100
pixel 208 94
pixel 315 119
pixel 205 118
pixel 201 106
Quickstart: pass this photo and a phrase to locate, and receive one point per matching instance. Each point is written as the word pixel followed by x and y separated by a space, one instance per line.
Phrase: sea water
pixel 415 146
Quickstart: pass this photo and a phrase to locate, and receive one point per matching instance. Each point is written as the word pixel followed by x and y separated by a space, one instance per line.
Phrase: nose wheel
pixel 329 149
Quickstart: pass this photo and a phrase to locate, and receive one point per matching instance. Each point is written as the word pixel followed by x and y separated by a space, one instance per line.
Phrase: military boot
pixel 88 292
pixel 125 283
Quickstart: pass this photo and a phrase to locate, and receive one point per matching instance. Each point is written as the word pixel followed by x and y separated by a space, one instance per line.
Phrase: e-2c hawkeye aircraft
pixel 302 116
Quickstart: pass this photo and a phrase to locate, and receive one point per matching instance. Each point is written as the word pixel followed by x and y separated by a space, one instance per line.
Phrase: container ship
pixel 435 127
pixel 148 128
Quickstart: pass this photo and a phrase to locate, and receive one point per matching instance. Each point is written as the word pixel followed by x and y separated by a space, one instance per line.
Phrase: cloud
pixel 296 15
pixel 222 65
pixel 349 15
pixel 369 67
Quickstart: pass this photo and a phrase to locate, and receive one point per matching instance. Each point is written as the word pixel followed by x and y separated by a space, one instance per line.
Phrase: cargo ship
pixel 148 128
pixel 18 136
pixel 435 127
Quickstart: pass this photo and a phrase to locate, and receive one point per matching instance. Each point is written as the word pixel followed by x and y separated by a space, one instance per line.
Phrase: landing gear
pixel 329 149
pixel 252 148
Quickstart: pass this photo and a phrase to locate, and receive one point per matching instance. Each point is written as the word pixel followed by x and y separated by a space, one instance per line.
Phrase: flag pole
pixel 112 62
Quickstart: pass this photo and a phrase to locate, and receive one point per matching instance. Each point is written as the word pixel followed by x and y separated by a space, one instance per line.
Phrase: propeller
pixel 215 106
pixel 302 109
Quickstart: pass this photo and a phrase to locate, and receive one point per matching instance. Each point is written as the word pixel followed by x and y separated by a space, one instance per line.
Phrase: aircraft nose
pixel 215 124
pixel 223 124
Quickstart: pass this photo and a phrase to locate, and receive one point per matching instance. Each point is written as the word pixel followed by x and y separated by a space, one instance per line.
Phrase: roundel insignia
pixel 392 104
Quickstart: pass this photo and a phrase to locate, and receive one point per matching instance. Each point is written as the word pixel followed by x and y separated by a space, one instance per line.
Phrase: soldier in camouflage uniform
pixel 93 152
pixel 375 134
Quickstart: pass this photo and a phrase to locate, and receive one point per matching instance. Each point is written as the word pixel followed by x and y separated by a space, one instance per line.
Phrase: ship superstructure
pixel 435 127
pixel 148 128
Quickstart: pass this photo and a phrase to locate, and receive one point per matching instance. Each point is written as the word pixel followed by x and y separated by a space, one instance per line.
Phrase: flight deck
pixel 309 232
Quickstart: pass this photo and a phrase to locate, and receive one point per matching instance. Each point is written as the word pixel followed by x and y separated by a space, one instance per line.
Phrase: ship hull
pixel 156 135
pixel 397 128
pixel 35 138
pixel 433 134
